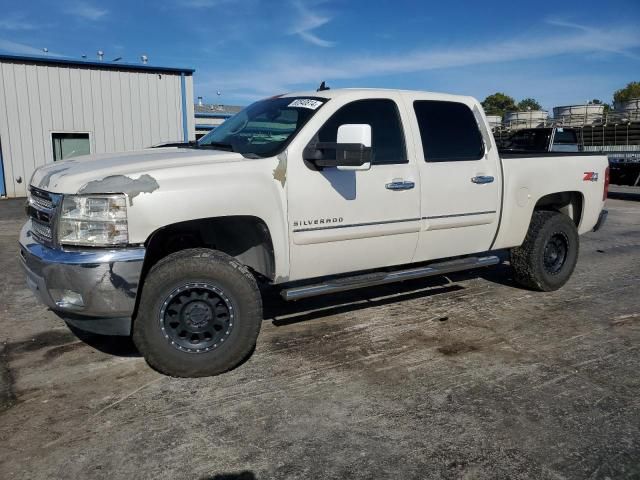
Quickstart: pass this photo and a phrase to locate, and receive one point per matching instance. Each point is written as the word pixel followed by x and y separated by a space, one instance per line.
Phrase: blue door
pixel 3 190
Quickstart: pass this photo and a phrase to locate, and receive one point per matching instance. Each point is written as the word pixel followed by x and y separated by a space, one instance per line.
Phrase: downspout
pixel 185 124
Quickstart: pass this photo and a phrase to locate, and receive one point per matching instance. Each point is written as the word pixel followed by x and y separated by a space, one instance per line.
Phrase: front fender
pixel 249 187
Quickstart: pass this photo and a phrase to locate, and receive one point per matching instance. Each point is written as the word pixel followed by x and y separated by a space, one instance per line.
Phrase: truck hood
pixel 118 172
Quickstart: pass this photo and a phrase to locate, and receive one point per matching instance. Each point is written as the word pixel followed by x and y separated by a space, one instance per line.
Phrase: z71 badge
pixel 590 176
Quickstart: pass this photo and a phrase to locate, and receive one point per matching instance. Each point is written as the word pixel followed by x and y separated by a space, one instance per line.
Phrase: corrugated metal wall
pixel 120 109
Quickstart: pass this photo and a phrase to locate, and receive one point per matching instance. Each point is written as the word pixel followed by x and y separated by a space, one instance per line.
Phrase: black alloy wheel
pixel 547 257
pixel 196 317
pixel 555 252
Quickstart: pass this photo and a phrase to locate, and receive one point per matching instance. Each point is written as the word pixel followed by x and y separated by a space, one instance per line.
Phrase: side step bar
pixel 380 278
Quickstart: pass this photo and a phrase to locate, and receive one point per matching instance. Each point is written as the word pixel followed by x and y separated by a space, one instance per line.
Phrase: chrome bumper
pixel 93 289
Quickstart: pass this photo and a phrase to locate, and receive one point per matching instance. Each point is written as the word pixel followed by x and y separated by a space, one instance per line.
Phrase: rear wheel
pixel 548 256
pixel 200 314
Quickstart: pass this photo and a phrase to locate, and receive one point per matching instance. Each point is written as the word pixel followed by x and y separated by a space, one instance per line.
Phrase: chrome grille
pixel 41 199
pixel 41 230
pixel 42 211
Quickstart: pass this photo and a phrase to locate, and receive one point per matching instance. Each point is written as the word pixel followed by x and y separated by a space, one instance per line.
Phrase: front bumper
pixel 92 289
pixel 601 219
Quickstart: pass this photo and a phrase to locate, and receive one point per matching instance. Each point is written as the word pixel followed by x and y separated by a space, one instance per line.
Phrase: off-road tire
pixel 200 266
pixel 528 260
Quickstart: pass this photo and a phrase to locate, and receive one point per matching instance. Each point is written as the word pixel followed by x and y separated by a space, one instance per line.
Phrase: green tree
pixel 632 90
pixel 529 104
pixel 498 104
pixel 596 101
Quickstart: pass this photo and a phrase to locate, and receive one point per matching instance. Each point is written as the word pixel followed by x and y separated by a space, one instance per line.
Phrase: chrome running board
pixel 380 278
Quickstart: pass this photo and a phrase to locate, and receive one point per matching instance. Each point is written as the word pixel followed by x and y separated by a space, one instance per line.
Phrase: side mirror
pixel 358 136
pixel 351 151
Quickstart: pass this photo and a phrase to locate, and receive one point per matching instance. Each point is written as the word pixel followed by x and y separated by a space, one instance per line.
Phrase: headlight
pixel 98 220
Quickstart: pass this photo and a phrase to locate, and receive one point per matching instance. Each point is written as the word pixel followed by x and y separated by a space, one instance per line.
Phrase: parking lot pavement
pixel 460 377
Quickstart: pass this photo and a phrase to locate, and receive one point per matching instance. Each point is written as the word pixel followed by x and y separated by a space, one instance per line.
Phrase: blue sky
pixel 557 52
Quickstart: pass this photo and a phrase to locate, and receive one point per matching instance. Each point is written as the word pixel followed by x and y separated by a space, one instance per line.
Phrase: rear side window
pixel 449 131
pixel 564 137
pixel 387 137
pixel 530 140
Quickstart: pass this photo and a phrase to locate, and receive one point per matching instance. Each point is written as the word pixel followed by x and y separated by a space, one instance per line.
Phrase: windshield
pixel 264 128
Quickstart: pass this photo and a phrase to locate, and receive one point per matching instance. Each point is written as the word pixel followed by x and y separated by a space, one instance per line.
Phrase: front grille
pixel 42 211
pixel 41 199
pixel 41 230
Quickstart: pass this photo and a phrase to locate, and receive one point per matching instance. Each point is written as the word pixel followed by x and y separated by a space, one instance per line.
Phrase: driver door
pixel 344 221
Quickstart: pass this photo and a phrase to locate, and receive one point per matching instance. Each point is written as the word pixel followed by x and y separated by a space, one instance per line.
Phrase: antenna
pixel 117 59
pixel 322 87
pixel 100 55
pixel 45 50
pixel 144 59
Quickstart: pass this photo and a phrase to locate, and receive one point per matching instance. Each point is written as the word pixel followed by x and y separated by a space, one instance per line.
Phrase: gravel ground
pixel 463 377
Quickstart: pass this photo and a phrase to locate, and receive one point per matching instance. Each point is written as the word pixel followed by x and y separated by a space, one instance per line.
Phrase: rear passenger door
pixel 460 178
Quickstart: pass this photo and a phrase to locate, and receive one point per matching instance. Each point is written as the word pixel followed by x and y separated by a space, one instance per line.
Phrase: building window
pixel 67 145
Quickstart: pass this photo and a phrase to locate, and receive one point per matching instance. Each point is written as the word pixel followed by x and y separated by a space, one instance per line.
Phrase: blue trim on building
pixel 90 63
pixel 3 188
pixel 185 124
pixel 213 115
pixel 203 126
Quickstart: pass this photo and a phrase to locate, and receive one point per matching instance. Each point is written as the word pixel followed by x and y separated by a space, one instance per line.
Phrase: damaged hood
pixel 130 172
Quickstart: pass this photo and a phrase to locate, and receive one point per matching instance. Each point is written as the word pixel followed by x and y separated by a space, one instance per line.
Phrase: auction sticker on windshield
pixel 305 103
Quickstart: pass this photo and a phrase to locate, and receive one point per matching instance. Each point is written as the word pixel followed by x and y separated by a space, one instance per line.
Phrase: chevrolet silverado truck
pixel 311 193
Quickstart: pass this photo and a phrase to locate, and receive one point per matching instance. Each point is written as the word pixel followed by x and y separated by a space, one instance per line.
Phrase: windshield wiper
pixel 218 146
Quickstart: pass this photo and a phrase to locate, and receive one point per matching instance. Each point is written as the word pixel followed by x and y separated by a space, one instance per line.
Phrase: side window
pixel 449 131
pixel 387 137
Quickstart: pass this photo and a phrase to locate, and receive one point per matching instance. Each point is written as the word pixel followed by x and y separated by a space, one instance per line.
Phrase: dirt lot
pixel 463 377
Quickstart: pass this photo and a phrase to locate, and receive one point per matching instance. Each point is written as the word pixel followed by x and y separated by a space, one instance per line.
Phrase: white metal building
pixel 209 116
pixel 52 108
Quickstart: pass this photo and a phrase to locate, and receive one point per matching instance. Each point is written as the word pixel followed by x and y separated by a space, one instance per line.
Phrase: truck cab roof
pixel 373 92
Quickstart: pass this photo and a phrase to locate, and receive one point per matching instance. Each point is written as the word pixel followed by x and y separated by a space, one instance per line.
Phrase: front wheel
pixel 548 256
pixel 199 315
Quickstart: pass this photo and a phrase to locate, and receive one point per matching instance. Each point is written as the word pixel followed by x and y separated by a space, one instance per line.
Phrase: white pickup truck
pixel 314 192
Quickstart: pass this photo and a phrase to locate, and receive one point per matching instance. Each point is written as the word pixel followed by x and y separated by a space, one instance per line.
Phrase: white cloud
pixel 200 3
pixel 16 22
pixel 22 49
pixel 306 22
pixel 86 11
pixel 284 72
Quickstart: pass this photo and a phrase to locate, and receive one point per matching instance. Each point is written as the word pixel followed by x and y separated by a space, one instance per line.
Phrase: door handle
pixel 400 185
pixel 482 179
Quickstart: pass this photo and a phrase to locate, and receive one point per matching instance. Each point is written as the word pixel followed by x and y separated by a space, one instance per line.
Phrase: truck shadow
pixel 118 346
pixel 246 475
pixel 282 313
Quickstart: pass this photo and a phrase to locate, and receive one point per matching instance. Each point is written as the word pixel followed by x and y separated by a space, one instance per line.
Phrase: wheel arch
pixel 570 203
pixel 517 216
pixel 244 237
